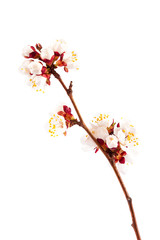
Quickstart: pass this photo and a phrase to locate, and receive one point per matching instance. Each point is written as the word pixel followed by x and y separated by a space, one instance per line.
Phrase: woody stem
pixel 111 161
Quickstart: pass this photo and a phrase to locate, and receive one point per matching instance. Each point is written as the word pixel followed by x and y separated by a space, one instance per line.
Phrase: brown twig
pixel 111 161
pixel 69 91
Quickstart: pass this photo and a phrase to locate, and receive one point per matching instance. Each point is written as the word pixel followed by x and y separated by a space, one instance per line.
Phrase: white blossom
pixel 118 132
pixel 25 67
pixel 129 131
pixel 70 58
pixel 59 46
pixel 35 67
pixel 123 168
pixel 26 51
pixel 119 139
pixel 38 83
pixel 98 132
pixel 47 53
pixel 57 125
pixel 112 141
pixel 98 128
pixel 101 120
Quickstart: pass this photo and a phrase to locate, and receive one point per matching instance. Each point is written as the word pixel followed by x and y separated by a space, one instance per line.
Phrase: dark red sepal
pixel 66 109
pixel 96 149
pixel 48 82
pixel 101 142
pixel 61 113
pixel 49 62
pixel 122 160
pixel 65 69
pixel 56 54
pixel 61 57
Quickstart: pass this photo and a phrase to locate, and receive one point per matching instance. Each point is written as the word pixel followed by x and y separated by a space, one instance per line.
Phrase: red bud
pixel 122 160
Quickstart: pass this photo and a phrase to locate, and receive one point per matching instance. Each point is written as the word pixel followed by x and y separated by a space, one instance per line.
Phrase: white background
pixel 49 188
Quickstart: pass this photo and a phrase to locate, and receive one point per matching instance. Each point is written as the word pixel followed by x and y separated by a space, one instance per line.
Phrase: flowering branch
pixel 111 138
pixel 111 160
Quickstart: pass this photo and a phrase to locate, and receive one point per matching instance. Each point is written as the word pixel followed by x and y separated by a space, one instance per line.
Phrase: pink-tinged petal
pixel 33 54
pixel 35 67
pixel 61 57
pixel 112 141
pixel 124 153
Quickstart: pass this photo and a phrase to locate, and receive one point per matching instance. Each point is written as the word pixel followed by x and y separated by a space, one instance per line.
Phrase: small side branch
pixel 69 90
pixel 134 222
pixel 75 122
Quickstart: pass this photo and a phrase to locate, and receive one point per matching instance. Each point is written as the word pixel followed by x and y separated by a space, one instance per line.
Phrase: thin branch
pixel 129 201
pixel 111 161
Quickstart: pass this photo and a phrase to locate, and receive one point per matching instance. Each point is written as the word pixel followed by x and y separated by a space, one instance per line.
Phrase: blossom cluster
pixel 60 121
pixel 40 62
pixel 118 139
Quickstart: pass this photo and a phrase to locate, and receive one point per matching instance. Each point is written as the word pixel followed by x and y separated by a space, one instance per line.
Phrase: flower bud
pixel 30 52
